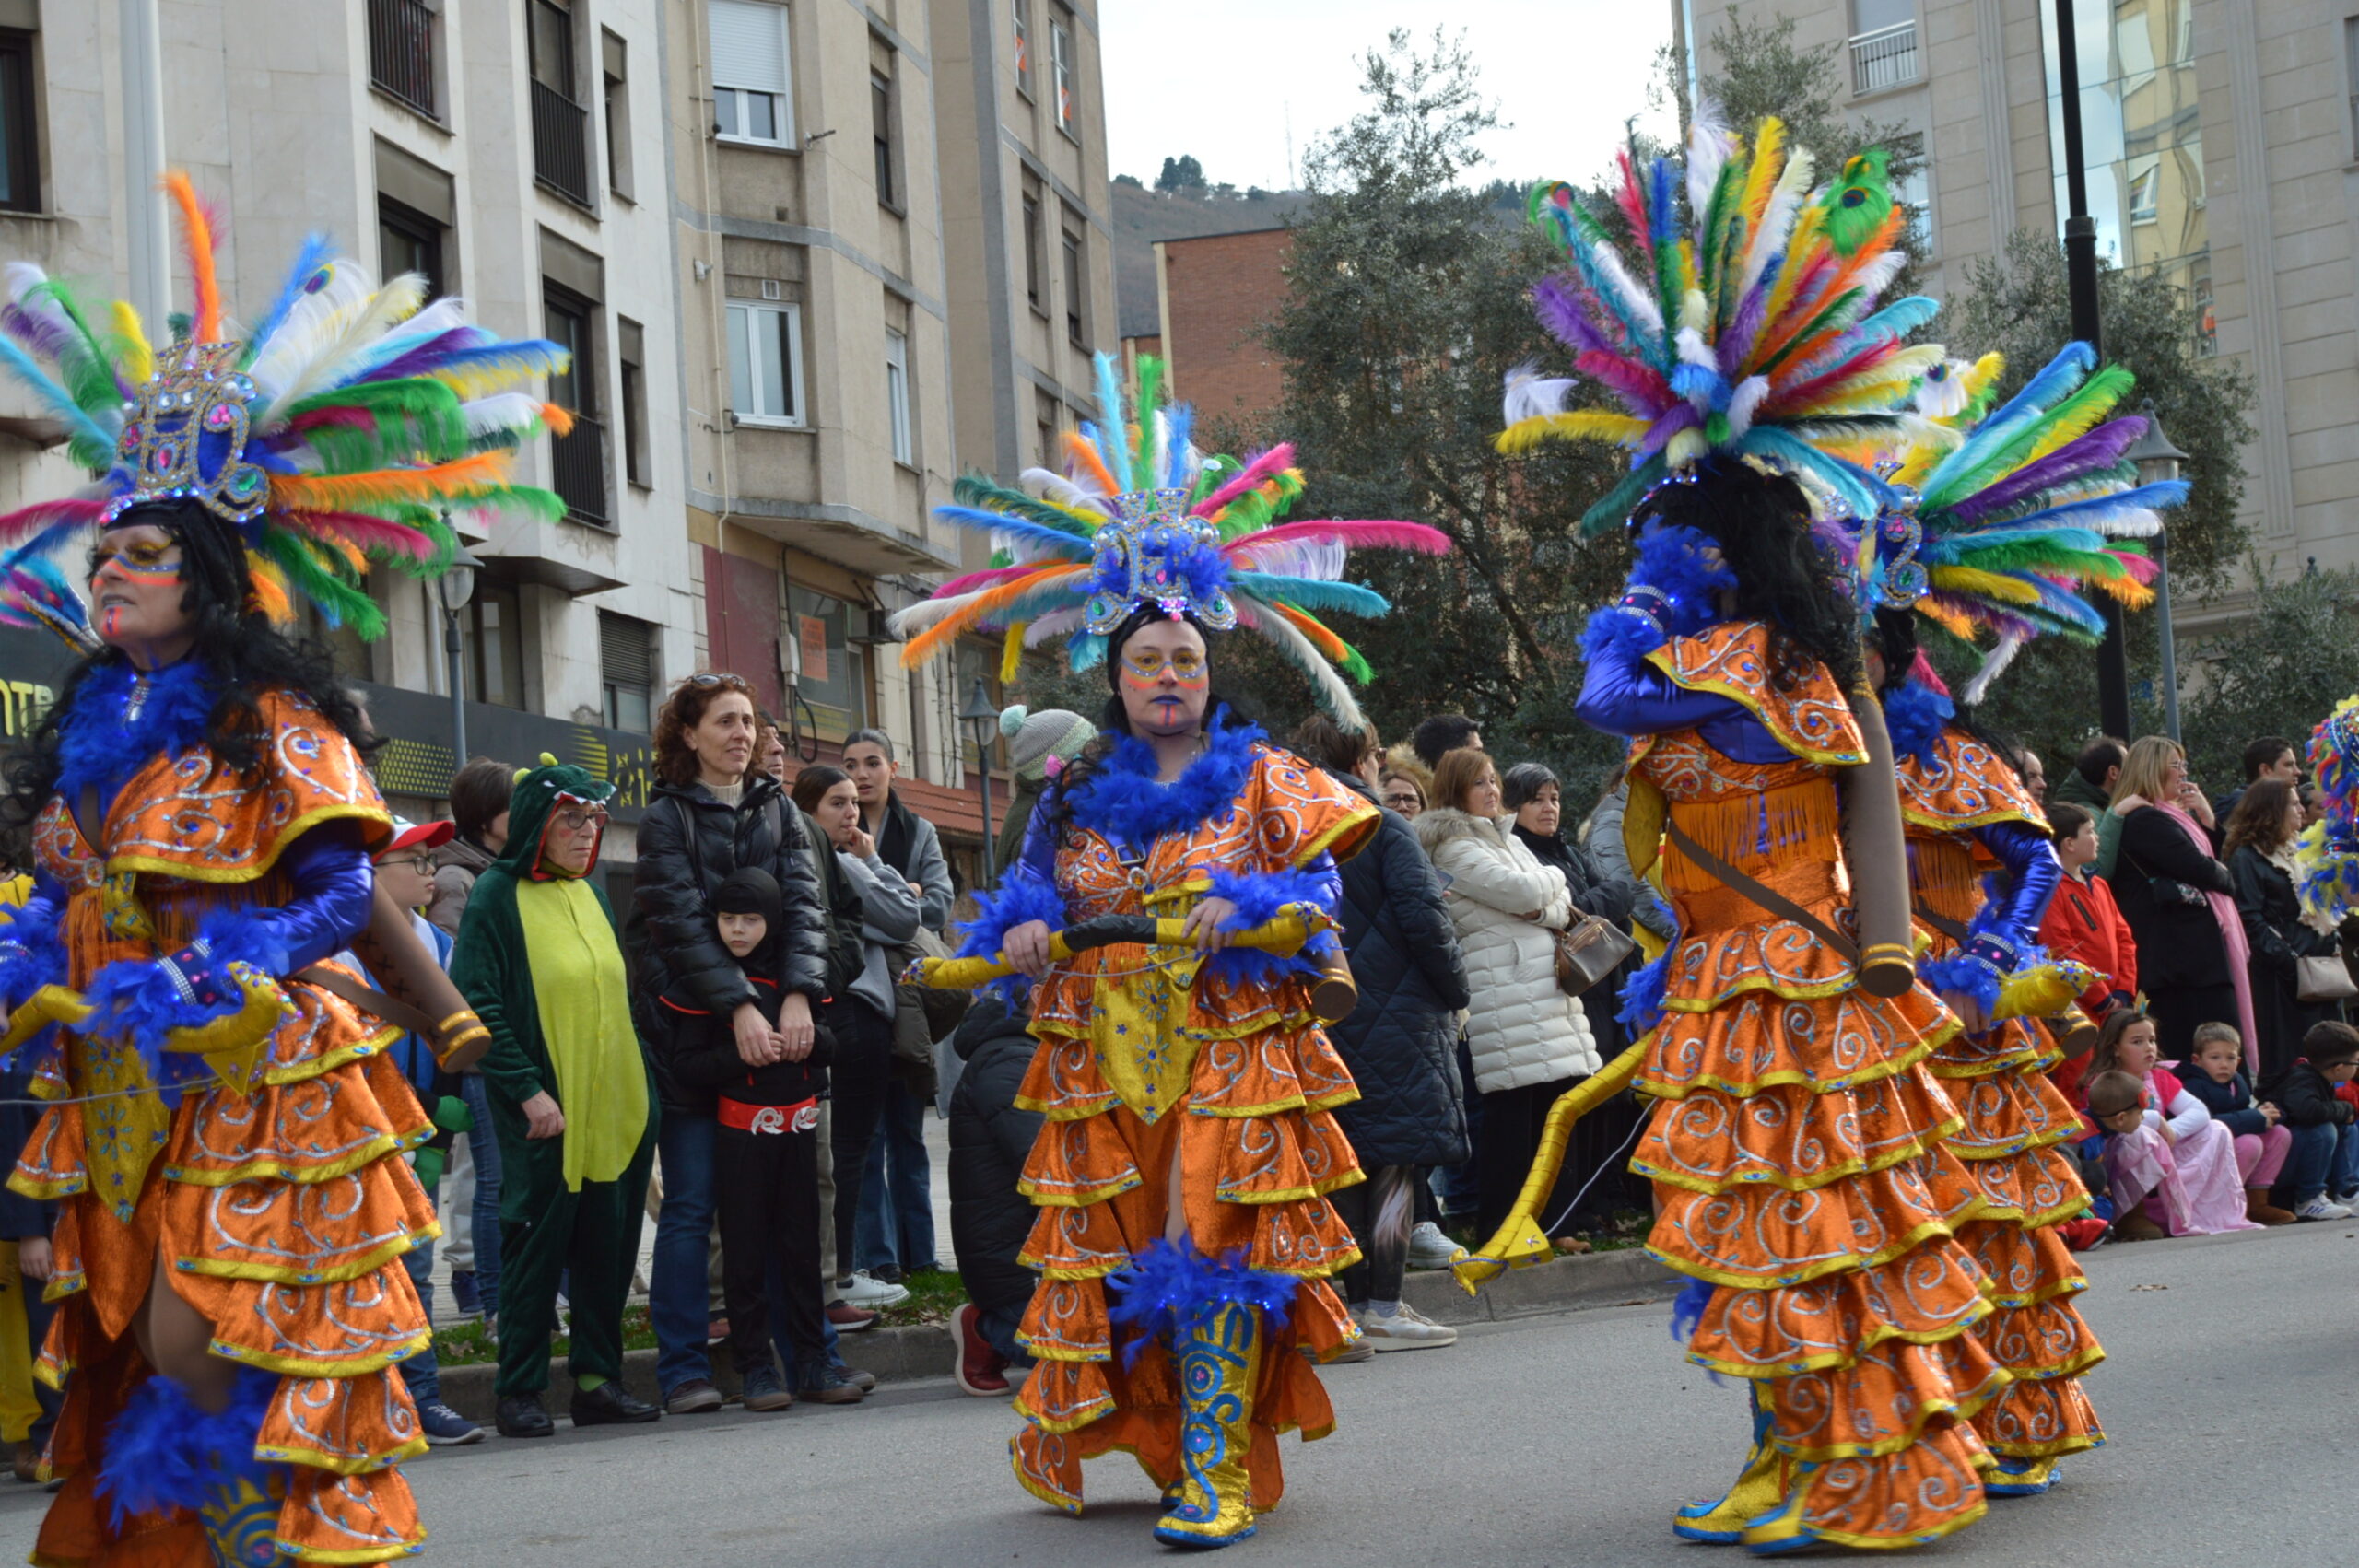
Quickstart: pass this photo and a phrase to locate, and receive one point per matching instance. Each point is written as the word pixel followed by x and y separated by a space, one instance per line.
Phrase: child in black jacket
pixel 2324 1167
pixel 2214 1074
pixel 765 1159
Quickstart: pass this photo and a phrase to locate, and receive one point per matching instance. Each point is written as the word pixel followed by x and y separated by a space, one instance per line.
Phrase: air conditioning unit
pixel 869 628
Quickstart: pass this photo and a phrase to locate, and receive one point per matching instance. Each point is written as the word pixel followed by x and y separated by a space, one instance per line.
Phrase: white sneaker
pixel 864 1291
pixel 2322 1208
pixel 1429 1248
pixel 1406 1329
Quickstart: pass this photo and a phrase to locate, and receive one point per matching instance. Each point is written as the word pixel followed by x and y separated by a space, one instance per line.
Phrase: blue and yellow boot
pixel 165 1452
pixel 2023 1478
pixel 1757 1488
pixel 1782 1528
pixel 1220 1361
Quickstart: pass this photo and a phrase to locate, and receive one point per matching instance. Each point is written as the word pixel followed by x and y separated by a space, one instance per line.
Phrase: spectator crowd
pixel 738 1057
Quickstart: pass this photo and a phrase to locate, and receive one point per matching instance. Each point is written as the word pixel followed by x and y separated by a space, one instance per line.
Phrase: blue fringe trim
pixel 43 962
pixel 1616 630
pixel 1962 971
pixel 1259 896
pixel 1687 1311
pixel 1642 998
pixel 1123 800
pixel 1913 717
pixel 1166 1289
pixel 1022 899
pixel 164 1452
pixel 1670 561
pixel 96 745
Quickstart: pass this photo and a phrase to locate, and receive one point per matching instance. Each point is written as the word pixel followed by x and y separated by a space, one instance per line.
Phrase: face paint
pixel 145 562
pixel 1147 668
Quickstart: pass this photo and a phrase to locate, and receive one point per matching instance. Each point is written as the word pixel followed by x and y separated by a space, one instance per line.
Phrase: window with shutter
pixel 752 95
pixel 627 667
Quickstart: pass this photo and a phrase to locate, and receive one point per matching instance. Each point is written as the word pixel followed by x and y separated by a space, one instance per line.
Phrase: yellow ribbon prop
pixel 1295 925
pixel 1520 1242
pixel 232 1043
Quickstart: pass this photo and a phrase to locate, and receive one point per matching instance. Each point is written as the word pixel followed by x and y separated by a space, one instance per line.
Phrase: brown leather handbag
pixel 1588 950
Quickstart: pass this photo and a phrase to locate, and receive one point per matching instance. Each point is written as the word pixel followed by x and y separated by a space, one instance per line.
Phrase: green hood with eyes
pixel 537 792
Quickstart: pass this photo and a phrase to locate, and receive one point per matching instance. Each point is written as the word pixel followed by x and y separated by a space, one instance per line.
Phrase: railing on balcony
pixel 560 143
pixel 401 51
pixel 578 464
pixel 1886 58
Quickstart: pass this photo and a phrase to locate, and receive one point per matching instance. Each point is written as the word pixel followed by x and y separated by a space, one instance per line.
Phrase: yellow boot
pixel 1220 1360
pixel 1758 1486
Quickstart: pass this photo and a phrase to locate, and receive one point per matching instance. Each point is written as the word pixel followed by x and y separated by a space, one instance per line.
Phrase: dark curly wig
pixel 245 654
pixel 1894 633
pixel 1762 523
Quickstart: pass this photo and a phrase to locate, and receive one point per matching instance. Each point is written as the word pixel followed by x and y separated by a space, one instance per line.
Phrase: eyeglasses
pixel 574 819
pixel 422 864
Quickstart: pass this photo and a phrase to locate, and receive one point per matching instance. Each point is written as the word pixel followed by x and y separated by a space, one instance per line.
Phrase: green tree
pixel 2271 674
pixel 1181 173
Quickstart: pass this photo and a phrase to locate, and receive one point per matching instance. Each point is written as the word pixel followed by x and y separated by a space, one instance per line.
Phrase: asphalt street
pixel 2230 1397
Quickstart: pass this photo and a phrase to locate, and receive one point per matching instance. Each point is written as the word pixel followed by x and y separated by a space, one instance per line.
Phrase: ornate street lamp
pixel 980 715
pixel 2158 463
pixel 457 590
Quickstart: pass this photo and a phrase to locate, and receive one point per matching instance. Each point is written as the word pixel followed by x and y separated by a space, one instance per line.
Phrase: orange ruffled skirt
pixel 283 1217
pixel 1244 1156
pixel 1798 1164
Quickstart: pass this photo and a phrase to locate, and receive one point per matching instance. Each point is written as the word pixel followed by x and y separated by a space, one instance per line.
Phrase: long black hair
pixel 1762 523
pixel 1114 719
pixel 245 655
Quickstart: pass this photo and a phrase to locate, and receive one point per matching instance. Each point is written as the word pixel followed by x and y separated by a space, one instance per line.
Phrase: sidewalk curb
pixel 927 1351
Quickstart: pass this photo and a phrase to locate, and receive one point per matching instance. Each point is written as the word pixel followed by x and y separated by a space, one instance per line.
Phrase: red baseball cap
pixel 419 836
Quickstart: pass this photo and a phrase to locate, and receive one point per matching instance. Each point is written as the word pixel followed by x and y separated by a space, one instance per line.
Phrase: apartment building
pixel 495 147
pixel 2221 137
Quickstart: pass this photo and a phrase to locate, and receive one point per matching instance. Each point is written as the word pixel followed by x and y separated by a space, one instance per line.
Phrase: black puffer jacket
pixel 688 843
pixel 990 1139
pixel 1399 1041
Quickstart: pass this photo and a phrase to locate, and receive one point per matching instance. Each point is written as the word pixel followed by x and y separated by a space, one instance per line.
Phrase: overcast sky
pixel 1566 74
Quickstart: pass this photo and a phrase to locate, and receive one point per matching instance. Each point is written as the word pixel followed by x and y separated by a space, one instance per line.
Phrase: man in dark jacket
pixel 2323 1168
pixel 991 1137
pixel 690 840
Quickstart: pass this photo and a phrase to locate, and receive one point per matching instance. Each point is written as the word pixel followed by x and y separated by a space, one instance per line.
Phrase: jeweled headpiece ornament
pixel 1140 518
pixel 2003 518
pixel 340 431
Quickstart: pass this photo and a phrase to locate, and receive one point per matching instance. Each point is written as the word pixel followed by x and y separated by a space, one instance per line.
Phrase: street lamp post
pixel 2158 463
pixel 456 590
pixel 980 715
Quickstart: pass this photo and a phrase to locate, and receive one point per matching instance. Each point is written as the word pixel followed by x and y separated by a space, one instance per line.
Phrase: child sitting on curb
pixel 2215 1075
pixel 2324 1165
pixel 766 1158
pixel 2170 1163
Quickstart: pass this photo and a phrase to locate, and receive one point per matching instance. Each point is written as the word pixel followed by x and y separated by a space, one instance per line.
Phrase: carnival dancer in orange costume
pixel 1185 1240
pixel 2000 515
pixel 1796 1150
pixel 226 1135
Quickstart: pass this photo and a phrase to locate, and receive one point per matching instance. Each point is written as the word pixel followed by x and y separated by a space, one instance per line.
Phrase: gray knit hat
pixel 1034 738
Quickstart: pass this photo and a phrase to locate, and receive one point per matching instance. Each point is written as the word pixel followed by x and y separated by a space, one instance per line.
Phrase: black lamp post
pixel 2158 463
pixel 456 590
pixel 980 715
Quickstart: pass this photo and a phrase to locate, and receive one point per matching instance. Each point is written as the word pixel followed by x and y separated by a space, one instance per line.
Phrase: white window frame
pixel 897 396
pixel 1063 75
pixel 1023 42
pixel 742 342
pixel 722 70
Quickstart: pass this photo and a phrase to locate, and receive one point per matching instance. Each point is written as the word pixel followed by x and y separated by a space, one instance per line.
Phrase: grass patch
pixel 466 1344
pixel 934 1294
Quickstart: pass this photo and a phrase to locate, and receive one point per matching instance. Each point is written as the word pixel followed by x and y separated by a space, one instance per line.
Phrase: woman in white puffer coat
pixel 1530 1041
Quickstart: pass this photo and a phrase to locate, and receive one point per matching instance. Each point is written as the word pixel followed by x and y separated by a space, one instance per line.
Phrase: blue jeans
pixel 421 1374
pixel 998 1329
pixel 895 1226
pixel 2324 1159
pixel 679 1297
pixel 484 1215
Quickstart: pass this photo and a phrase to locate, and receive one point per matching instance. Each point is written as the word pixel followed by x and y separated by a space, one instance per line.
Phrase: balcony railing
pixel 401 51
pixel 560 143
pixel 577 465
pixel 1886 58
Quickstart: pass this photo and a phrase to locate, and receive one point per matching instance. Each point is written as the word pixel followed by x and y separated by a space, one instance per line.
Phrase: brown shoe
pixel 26 1462
pixel 2261 1212
pixel 1571 1246
pixel 2136 1226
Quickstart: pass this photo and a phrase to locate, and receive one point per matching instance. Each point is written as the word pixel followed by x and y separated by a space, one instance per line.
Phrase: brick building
pixel 1216 296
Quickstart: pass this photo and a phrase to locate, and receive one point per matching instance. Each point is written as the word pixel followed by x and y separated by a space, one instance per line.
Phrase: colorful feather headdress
pixel 1746 326
pixel 2004 515
pixel 339 430
pixel 2326 857
pixel 1140 517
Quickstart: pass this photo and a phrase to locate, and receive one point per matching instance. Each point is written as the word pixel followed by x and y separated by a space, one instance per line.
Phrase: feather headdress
pixel 1140 517
pixel 2326 857
pixel 1745 326
pixel 343 430
pixel 2005 516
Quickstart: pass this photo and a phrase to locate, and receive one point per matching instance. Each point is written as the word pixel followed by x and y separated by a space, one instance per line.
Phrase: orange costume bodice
pixel 282 1212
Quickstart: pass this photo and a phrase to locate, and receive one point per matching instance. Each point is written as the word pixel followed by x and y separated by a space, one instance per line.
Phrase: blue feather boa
pixel 1168 1289
pixel 1022 899
pixel 140 998
pixel 41 964
pixel 1913 717
pixel 1671 562
pixel 1616 629
pixel 166 1452
pixel 97 744
pixel 1642 998
pixel 1259 897
pixel 1962 971
pixel 1123 800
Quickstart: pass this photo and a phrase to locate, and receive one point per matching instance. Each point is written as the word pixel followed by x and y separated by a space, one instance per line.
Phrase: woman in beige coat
pixel 1530 1041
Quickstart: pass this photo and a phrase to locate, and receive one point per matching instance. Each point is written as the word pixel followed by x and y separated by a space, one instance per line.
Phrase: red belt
pixel 801 1117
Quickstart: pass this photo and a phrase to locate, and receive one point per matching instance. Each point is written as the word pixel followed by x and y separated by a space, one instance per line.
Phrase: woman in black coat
pixel 2164 875
pixel 712 813
pixel 991 1137
pixel 2259 838
pixel 1400 1042
pixel 1533 792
